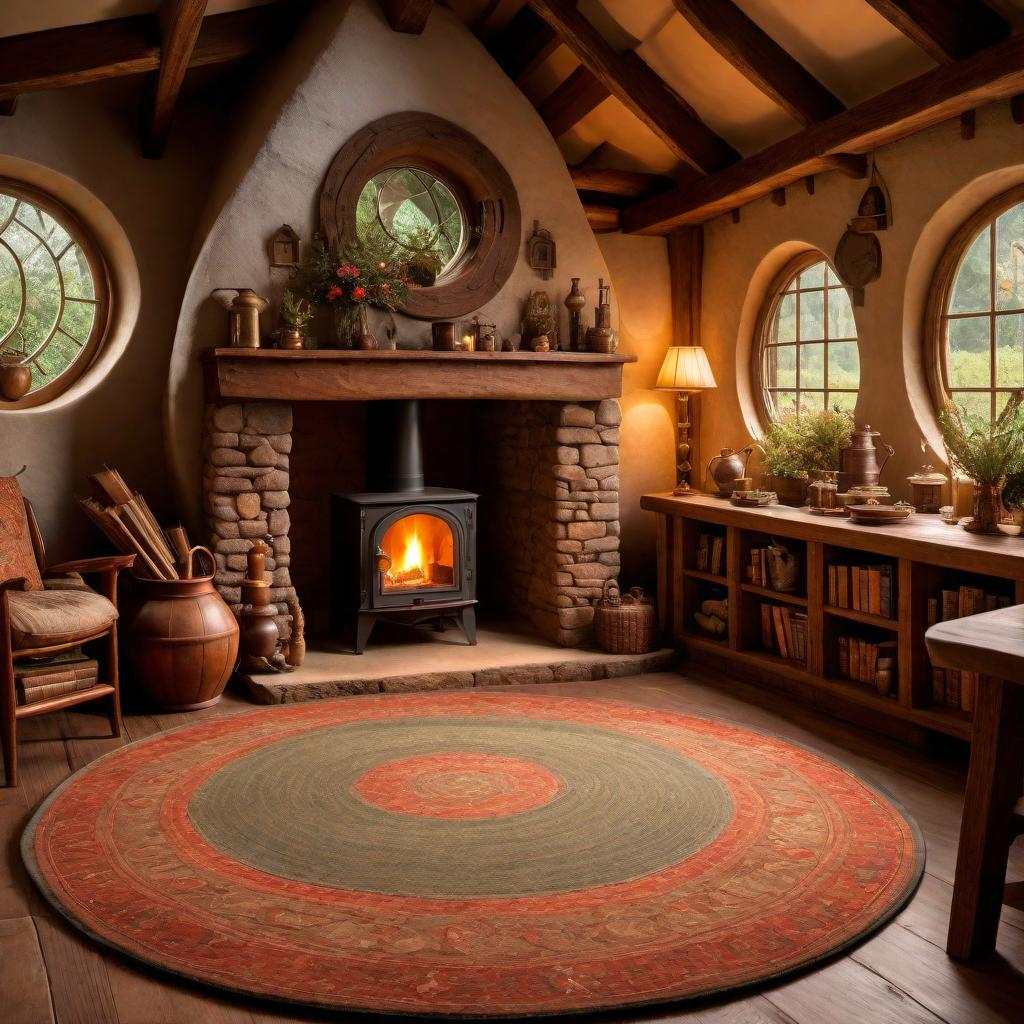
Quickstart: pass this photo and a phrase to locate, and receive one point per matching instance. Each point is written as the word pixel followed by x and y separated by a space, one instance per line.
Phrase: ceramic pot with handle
pixel 728 467
pixel 182 641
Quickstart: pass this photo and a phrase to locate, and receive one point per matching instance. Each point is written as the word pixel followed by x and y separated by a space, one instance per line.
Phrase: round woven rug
pixel 472 854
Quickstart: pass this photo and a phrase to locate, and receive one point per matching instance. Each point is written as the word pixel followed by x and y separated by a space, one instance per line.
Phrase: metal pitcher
pixel 731 466
pixel 859 465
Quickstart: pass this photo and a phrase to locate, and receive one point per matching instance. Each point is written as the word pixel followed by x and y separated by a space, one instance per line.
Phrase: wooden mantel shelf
pixel 322 375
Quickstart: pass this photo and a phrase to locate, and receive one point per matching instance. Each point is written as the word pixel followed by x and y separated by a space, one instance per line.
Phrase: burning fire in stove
pixel 418 552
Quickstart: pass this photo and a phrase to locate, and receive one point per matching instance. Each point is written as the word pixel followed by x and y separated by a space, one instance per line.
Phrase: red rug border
pixel 722 994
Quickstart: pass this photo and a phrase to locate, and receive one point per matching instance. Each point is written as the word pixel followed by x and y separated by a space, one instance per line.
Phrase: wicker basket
pixel 624 624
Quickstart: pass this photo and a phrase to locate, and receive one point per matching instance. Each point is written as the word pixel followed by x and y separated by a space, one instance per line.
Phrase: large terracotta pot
pixel 792 490
pixel 182 642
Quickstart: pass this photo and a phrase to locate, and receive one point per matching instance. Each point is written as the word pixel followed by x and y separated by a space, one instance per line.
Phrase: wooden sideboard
pixel 926 557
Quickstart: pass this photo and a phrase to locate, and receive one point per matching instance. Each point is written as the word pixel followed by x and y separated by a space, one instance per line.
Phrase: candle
pixel 468 344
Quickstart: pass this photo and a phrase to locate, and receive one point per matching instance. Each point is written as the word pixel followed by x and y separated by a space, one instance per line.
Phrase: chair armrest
pixel 15 583
pixel 104 563
pixel 107 565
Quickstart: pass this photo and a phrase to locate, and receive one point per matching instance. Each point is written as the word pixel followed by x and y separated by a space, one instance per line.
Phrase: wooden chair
pixel 45 611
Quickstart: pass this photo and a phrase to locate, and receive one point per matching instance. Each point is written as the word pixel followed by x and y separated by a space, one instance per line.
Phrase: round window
pixel 416 211
pixel 53 298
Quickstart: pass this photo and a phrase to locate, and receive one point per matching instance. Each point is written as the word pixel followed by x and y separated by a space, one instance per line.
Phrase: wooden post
pixel 685 260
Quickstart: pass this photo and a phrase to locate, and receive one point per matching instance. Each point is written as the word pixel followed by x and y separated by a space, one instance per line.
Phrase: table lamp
pixel 686 371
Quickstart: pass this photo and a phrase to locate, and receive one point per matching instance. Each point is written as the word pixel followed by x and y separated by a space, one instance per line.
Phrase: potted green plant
pixel 987 453
pixel 296 312
pixel 795 446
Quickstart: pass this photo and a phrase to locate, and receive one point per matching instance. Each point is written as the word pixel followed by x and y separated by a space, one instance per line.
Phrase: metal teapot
pixel 727 467
pixel 859 465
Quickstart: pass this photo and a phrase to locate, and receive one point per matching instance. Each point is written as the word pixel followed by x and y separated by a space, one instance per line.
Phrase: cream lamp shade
pixel 686 368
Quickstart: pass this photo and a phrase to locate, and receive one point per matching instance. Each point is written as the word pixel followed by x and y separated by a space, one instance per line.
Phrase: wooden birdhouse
pixel 284 247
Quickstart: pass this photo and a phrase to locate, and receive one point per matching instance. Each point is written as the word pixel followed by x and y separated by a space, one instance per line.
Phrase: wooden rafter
pixel 523 44
pixel 625 184
pixel 408 15
pixel 179 22
pixel 602 218
pixel 938 95
pixel 760 59
pixel 128 46
pixel 947 30
pixel 576 97
pixel 635 84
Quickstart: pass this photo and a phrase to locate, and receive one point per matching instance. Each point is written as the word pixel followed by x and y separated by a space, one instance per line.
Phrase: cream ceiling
pixel 846 44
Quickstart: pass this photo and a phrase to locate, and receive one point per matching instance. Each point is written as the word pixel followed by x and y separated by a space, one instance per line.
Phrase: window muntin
pixel 52 291
pixel 981 325
pixel 810 357
pixel 415 210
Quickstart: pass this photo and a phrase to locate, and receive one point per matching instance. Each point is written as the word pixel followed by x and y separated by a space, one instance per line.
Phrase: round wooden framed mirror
pixel 428 184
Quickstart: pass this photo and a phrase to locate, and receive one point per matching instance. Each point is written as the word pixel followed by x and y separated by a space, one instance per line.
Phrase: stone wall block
pixel 586 531
pixel 280 522
pixel 275 480
pixel 576 416
pixel 228 418
pixel 606 511
pixel 276 499
pixel 248 505
pixel 268 417
pixel 226 457
pixel 263 455
pixel 609 413
pixel 229 485
pixel 599 455
pixel 577 435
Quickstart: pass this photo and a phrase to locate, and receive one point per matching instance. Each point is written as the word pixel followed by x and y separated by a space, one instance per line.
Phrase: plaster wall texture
pixel 640 272
pixel 348 68
pixel 145 213
pixel 935 180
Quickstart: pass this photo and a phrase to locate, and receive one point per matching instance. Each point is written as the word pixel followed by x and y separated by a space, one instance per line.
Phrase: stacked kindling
pixel 39 681
pixel 123 515
pixel 784 631
pixel 951 687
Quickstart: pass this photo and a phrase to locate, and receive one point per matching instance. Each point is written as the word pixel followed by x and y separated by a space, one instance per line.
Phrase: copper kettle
pixel 859 465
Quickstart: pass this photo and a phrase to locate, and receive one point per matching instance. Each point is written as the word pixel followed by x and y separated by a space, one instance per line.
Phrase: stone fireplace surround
pixel 549 489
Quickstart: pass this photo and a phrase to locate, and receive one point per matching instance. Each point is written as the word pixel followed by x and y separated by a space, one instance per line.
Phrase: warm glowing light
pixel 419 553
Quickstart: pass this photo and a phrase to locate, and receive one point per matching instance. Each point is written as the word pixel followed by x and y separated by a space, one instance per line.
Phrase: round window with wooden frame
pixel 54 292
pixel 974 319
pixel 440 195
pixel 807 356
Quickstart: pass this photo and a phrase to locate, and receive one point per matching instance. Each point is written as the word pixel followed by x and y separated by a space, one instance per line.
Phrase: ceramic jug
pixel 726 468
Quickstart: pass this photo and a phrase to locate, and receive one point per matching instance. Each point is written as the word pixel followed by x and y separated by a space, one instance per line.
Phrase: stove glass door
pixel 417 552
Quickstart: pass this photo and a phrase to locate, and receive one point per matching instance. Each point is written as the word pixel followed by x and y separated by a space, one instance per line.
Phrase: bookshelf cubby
pixel 920 558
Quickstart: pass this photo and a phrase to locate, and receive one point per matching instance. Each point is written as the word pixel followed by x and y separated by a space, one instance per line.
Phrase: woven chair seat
pixel 47 618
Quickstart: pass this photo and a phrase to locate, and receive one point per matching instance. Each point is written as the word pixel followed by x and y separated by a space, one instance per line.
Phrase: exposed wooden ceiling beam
pixel 937 95
pixel 523 44
pixel 760 59
pixel 179 23
pixel 576 97
pixel 627 184
pixel 637 86
pixel 408 15
pixel 601 218
pixel 130 46
pixel 947 30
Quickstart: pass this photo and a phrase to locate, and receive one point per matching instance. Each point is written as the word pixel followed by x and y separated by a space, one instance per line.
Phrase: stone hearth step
pixel 406 660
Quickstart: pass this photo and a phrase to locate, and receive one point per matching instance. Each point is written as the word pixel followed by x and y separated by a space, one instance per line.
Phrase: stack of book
pixel 41 680
pixel 710 548
pixel 757 570
pixel 951 687
pixel 784 631
pixel 123 515
pixel 858 658
pixel 864 588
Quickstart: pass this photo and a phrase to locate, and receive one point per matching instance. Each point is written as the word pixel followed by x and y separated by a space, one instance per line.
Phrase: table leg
pixel 993 786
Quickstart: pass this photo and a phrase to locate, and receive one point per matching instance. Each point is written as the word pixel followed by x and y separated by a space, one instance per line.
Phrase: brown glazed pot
pixel 182 642
pixel 15 381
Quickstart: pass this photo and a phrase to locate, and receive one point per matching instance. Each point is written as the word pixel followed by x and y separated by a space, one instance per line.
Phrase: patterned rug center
pixel 518 807
pixel 459 784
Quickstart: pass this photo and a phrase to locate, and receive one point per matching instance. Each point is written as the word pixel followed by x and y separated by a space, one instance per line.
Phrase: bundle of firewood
pixel 123 515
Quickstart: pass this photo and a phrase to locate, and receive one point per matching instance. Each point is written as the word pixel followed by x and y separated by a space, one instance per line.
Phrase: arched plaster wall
pixel 935 180
pixel 346 69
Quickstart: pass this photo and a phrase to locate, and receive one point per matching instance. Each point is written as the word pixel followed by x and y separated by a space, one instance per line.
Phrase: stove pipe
pixel 395 450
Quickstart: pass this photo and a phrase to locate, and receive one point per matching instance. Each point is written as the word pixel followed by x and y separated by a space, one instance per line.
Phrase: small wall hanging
pixel 284 247
pixel 858 257
pixel 540 251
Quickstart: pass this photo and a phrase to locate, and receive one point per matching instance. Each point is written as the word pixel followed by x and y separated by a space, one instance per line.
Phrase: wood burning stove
pixel 402 551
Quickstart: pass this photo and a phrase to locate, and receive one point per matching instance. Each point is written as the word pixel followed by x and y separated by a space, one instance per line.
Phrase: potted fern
pixel 795 446
pixel 988 454
pixel 296 313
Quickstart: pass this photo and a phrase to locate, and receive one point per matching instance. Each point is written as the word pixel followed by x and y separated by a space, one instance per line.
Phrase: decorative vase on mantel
pixel 363 338
pixel 985 512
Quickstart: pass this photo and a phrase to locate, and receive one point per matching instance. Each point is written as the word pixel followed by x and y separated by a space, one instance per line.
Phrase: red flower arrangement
pixel 360 275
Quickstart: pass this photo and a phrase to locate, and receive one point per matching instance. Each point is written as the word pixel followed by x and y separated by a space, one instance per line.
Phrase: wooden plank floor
pixel 900 976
